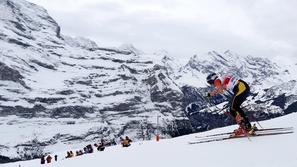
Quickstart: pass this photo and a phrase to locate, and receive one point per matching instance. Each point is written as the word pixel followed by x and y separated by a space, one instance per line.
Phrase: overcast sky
pixel 183 27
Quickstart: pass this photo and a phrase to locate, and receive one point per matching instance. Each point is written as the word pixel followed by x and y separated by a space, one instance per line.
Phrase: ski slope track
pixel 272 151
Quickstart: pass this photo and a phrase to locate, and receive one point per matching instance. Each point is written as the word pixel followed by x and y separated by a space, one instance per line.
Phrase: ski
pixel 259 130
pixel 228 136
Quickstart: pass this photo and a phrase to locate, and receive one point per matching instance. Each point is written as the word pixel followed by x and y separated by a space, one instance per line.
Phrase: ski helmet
pixel 211 78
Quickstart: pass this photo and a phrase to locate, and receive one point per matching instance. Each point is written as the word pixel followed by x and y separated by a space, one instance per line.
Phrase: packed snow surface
pixel 272 151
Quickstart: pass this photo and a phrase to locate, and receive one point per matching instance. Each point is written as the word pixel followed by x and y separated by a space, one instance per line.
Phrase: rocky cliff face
pixel 61 90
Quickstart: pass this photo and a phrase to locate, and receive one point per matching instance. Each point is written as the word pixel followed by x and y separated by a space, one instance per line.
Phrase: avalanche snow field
pixel 265 151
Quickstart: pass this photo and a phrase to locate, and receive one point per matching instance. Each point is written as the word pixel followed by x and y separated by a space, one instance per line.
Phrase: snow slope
pixel 272 151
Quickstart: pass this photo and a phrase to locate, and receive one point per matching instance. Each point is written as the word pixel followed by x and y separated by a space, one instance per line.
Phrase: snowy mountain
pixel 58 91
pixel 273 87
pixel 273 151
pixel 50 79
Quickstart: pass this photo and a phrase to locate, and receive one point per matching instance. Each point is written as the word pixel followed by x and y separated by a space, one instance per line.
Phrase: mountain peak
pixel 130 48
pixel 81 42
pixel 27 19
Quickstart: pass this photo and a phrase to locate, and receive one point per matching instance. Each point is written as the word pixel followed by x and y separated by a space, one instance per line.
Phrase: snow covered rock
pixel 66 90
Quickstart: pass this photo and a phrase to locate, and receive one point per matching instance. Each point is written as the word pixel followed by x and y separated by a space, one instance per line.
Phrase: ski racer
pixel 238 90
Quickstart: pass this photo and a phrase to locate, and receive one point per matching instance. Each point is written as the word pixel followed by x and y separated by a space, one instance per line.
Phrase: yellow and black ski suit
pixel 241 91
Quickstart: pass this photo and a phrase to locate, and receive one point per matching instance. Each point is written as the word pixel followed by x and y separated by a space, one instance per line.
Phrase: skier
pixel 239 91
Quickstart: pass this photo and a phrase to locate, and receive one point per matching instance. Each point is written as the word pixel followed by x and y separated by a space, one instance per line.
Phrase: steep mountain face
pixel 48 79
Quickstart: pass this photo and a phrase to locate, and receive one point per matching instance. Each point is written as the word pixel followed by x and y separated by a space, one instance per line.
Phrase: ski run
pixel 264 151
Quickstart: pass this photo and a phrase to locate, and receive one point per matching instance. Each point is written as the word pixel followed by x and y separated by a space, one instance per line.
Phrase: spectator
pixel 49 159
pixel 101 145
pixel 43 160
pixel 71 154
pixel 56 157
pixel 90 148
pixel 68 154
pixel 126 142
pixel 85 150
pixel 79 152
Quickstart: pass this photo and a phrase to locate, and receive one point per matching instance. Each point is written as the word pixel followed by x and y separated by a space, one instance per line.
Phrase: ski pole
pixel 207 103
pixel 219 109
pixel 210 104
pixel 253 117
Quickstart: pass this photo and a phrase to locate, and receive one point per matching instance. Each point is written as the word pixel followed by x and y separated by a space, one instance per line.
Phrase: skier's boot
pixel 245 127
pixel 252 130
pixel 239 132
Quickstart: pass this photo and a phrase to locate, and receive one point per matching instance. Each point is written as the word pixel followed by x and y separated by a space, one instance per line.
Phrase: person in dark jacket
pixel 101 145
pixel 68 154
pixel 42 160
pixel 56 157
pixel 90 148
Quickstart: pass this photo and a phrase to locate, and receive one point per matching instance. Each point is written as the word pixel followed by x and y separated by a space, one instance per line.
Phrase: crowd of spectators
pixel 125 142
